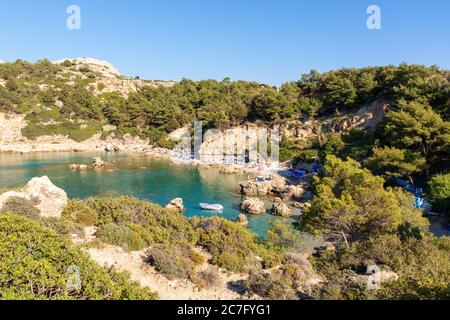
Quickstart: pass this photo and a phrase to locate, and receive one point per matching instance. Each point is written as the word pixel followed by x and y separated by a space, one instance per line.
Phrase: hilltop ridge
pixel 105 68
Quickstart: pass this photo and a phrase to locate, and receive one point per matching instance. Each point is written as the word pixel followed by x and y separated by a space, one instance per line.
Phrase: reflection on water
pixel 158 181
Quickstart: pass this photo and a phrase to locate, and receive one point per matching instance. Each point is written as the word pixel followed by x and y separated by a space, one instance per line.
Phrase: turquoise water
pixel 158 181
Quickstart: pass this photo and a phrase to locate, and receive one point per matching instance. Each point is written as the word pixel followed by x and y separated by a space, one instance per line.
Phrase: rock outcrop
pixel 176 204
pixel 11 126
pixel 108 78
pixel 126 143
pixel 12 140
pixel 274 184
pixel 366 118
pixel 242 219
pixel 294 191
pixel 253 206
pixel 50 199
pixel 104 68
pixel 97 162
pixel 281 209
pixel 80 167
pixel 230 169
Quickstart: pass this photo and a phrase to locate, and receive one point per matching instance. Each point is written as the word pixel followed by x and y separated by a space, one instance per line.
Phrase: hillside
pixel 86 100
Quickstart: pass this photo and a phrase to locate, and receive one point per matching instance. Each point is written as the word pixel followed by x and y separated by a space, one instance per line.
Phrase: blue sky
pixel 267 41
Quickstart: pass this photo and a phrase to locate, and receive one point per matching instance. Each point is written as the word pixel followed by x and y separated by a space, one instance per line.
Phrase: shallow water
pixel 158 181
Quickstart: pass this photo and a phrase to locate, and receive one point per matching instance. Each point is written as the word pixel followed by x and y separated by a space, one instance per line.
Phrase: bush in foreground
pixel 232 246
pixel 271 286
pixel 174 261
pixel 36 263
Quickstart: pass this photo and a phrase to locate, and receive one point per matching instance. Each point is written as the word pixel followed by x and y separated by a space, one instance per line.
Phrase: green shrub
pixel 36 263
pixel 174 261
pixel 288 149
pixel 101 86
pixel 120 235
pixel 270 286
pixel 439 194
pixel 297 268
pixel 283 236
pixel 153 223
pixel 307 156
pixel 63 226
pixel 231 261
pixel 422 265
pixel 79 212
pixel 207 279
pixel 22 206
pixel 231 245
pixel 332 146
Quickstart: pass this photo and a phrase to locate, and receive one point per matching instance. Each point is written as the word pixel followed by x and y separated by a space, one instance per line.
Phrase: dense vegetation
pixel 371 225
pixel 37 263
pixel 351 204
pixel 152 111
pixel 134 225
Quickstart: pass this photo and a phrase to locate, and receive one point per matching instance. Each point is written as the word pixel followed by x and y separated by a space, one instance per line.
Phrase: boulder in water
pixel 281 209
pixel 242 219
pixel 98 162
pixel 253 206
pixel 273 184
pixel 176 204
pixel 80 167
pixel 294 191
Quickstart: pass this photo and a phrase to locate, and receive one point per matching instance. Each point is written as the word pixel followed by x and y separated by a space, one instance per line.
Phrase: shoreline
pixel 144 150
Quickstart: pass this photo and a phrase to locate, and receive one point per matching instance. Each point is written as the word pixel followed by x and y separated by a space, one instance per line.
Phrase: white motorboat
pixel 211 207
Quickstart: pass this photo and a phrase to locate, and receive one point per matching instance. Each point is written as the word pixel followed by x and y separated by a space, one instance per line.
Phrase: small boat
pixel 211 207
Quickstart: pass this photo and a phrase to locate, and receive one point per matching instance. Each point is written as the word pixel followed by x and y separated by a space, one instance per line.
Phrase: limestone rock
pixel 108 128
pixel 255 188
pixel 253 206
pixel 274 184
pixel 96 66
pixel 98 162
pixel 11 126
pixel 278 184
pixel 366 118
pixel 50 199
pixel 242 219
pixel 80 167
pixel 294 191
pixel 281 209
pixel 59 104
pixel 176 204
pixel 12 194
pixel 229 169
pixel 110 147
pixel 298 205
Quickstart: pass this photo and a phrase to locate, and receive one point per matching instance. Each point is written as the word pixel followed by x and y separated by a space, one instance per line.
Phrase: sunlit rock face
pixel 49 199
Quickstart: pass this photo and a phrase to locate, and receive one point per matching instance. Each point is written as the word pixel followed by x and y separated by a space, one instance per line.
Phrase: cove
pixel 158 181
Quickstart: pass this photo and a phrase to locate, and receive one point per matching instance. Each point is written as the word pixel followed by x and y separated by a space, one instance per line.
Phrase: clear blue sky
pixel 267 41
